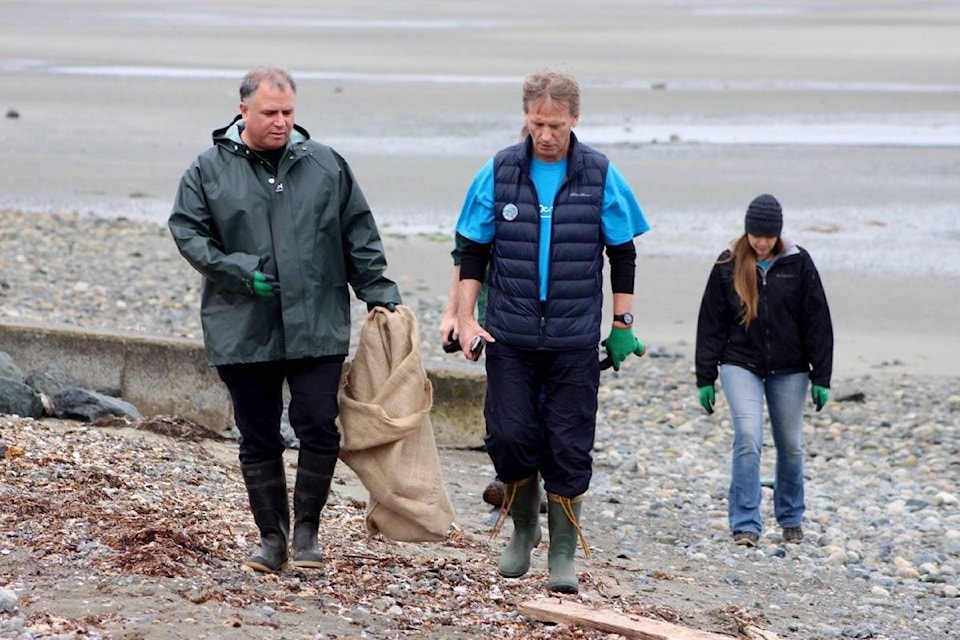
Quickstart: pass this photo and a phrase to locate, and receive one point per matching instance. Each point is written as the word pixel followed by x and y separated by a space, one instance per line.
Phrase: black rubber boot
pixel 314 475
pixel 267 490
pixel 563 521
pixel 523 500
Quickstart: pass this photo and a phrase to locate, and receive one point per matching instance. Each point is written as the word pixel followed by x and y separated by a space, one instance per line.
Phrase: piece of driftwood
pixel 625 624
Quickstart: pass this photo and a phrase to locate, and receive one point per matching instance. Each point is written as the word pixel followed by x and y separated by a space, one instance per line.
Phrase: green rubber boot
pixel 267 491
pixel 522 499
pixel 314 475
pixel 563 521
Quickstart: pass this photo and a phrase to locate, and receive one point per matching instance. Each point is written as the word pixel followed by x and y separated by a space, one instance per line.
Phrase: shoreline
pixel 125 274
pixel 836 108
pixel 699 117
pixel 876 327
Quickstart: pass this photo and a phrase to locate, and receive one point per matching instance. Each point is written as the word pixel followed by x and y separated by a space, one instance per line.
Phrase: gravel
pixel 881 557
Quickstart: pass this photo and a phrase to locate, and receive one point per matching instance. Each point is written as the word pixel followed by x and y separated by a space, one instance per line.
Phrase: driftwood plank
pixel 628 625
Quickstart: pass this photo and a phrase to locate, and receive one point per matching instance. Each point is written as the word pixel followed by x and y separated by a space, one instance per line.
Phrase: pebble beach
pixel 881 558
pixel 847 112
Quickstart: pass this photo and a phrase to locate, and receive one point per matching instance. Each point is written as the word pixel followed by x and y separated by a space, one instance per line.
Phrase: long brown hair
pixel 744 260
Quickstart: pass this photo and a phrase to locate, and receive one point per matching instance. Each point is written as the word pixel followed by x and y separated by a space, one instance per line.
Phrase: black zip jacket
pixel 793 332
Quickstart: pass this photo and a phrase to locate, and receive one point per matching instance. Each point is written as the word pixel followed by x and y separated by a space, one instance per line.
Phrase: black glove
pixel 452 345
pixel 389 306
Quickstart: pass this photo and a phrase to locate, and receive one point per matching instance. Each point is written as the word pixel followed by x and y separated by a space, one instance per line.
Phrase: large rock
pixel 51 379
pixel 86 405
pixel 9 368
pixel 17 398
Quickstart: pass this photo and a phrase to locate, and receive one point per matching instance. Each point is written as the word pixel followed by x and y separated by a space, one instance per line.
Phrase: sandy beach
pixel 850 115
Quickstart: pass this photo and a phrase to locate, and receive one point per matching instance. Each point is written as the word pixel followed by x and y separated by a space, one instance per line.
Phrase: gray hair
pixel 279 77
pixel 553 85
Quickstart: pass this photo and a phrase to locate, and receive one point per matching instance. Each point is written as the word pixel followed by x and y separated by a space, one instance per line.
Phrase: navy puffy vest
pixel 570 317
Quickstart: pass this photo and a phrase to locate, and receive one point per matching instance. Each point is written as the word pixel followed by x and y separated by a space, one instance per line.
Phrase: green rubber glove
pixel 389 306
pixel 264 285
pixel 820 395
pixel 620 344
pixel 708 398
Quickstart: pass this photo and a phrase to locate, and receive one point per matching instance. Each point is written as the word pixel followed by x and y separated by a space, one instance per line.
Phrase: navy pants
pixel 552 434
pixel 257 393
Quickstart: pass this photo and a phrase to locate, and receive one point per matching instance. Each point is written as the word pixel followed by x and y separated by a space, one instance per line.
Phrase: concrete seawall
pixel 170 376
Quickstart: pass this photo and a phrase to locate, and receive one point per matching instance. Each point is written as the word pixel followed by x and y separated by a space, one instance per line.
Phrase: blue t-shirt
pixel 621 218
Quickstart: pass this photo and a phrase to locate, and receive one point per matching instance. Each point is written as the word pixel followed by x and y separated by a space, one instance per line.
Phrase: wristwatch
pixel 625 318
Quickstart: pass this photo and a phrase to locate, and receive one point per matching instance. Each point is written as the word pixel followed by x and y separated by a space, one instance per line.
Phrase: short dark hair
pixel 279 77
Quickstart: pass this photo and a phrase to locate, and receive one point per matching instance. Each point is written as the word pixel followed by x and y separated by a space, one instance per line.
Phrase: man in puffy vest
pixel 541 213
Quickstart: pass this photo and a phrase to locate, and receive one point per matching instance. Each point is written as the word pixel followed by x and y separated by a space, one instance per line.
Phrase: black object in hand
pixel 476 347
pixel 452 345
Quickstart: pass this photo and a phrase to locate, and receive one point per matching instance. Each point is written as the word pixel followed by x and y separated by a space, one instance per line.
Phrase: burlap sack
pixel 385 400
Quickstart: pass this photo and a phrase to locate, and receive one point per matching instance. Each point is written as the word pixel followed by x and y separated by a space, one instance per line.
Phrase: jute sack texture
pixel 385 400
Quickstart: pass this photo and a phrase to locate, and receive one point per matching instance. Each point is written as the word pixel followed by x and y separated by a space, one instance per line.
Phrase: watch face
pixel 626 318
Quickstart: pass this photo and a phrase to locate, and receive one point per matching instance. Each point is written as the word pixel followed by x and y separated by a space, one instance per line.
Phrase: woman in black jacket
pixel 765 323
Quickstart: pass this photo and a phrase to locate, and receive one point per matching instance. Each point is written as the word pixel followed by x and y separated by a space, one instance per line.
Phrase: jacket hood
pixel 231 133
pixel 790 248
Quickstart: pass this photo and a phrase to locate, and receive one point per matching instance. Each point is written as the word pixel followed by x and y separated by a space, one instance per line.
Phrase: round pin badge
pixel 510 212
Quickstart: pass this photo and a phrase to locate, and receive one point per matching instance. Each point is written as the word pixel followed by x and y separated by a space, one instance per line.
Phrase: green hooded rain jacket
pixel 308 224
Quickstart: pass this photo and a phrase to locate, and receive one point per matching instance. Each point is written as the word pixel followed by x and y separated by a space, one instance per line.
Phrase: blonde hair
pixel 554 85
pixel 744 260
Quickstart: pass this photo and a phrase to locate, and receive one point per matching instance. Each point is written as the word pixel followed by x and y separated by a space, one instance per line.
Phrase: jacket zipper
pixel 543 304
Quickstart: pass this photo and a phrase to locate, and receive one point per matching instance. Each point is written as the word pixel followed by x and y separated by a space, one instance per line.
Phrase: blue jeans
pixel 785 396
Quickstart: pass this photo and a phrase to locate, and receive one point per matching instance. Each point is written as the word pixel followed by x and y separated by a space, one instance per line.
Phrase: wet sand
pixel 115 100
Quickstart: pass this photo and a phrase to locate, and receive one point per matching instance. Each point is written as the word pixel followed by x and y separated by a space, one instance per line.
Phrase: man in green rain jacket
pixel 278 227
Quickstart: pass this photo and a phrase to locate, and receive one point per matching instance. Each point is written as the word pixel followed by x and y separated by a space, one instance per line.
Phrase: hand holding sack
pixel 388 439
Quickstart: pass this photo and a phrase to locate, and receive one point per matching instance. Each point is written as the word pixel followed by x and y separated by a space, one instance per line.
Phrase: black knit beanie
pixel 764 217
